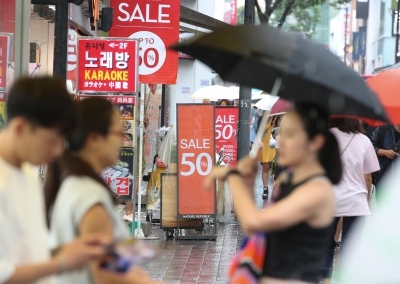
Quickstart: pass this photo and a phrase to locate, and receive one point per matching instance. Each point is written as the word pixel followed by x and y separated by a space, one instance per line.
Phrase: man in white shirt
pixel 40 112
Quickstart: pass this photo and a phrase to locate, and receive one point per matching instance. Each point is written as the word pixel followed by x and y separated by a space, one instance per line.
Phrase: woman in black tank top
pixel 298 224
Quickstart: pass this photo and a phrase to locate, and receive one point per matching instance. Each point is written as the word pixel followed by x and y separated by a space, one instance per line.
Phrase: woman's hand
pixel 247 167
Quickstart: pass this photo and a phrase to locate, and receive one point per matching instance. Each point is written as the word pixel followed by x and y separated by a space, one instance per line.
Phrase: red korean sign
pixel 120 176
pixel 107 65
pixel 156 25
pixel 226 124
pixel 4 59
pixel 196 158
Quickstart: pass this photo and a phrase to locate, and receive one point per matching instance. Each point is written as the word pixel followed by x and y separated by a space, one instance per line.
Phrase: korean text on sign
pixel 107 65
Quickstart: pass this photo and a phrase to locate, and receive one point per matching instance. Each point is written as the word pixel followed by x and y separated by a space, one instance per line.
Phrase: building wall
pixel 388 46
pixel 192 74
pixel 380 43
pixel 336 39
pixel 42 33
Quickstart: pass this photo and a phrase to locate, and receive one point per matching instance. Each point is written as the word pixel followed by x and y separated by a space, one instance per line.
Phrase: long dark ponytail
pixel 94 116
pixel 315 121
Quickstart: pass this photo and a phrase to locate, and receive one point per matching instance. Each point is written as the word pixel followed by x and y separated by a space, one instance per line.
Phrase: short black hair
pixel 347 125
pixel 95 116
pixel 43 101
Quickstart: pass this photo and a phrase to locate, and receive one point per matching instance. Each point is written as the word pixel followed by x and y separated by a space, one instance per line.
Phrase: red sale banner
pixel 226 124
pixel 196 159
pixel 107 65
pixel 4 59
pixel 156 25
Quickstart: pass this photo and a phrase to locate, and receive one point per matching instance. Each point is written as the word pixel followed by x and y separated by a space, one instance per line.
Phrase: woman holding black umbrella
pixel 299 222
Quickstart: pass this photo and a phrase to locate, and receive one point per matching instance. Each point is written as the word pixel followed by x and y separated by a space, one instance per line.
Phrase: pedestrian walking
pixel 224 102
pixel 40 113
pixel 256 114
pixel 78 201
pixel 267 156
pixel 353 192
pixel 298 223
pixel 374 258
pixel 386 141
pixel 274 144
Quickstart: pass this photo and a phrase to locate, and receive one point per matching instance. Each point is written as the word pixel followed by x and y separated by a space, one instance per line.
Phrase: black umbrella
pixel 256 56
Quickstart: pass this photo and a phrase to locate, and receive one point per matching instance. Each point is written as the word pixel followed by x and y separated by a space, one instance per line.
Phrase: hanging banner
pixel 2 110
pixel 230 12
pixel 120 176
pixel 153 112
pixel 126 107
pixel 4 59
pixel 156 25
pixel 226 124
pixel 196 158
pixel 72 54
pixel 107 65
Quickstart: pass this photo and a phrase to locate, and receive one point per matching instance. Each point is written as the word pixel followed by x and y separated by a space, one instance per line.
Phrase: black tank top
pixel 297 252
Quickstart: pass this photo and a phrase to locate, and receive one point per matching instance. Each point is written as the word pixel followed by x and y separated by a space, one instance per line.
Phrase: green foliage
pixel 306 20
pixel 277 11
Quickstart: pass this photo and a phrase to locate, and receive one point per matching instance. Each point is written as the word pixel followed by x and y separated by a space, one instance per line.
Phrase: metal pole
pixel 397 57
pixel 345 37
pixel 138 231
pixel 61 40
pixel 245 96
pixel 21 55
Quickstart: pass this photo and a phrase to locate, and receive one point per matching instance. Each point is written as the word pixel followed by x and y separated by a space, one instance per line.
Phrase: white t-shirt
pixel 75 197
pixel 23 232
pixel 358 159
pixel 375 258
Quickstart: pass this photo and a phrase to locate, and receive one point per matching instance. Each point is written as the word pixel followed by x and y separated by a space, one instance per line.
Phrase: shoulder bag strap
pixel 348 144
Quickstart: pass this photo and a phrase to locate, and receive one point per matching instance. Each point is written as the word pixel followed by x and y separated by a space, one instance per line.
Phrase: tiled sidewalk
pixel 200 261
pixel 195 261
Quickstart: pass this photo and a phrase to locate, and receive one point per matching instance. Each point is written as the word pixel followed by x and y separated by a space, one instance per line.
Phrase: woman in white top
pixel 352 193
pixel 78 201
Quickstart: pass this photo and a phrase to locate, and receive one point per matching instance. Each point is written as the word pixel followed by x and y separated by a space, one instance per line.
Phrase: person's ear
pixel 93 140
pixel 19 124
pixel 317 143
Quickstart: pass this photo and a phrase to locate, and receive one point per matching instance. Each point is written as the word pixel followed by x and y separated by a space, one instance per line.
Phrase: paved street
pixel 189 261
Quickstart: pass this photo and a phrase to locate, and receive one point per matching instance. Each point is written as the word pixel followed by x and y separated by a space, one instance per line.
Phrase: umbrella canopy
pixel 387 86
pixel 259 95
pixel 267 102
pixel 280 107
pixel 256 56
pixel 214 93
pixel 255 93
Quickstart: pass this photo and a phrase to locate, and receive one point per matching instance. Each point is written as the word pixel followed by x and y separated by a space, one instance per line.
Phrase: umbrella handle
pixel 264 121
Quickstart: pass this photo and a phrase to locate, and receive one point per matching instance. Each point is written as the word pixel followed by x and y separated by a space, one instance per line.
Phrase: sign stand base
pixel 209 237
pixel 197 237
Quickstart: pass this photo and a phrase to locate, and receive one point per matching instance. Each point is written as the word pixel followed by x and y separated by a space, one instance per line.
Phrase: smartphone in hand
pixel 124 255
pixel 394 147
